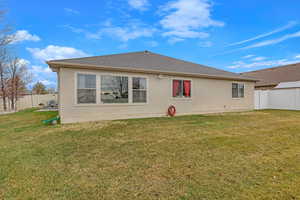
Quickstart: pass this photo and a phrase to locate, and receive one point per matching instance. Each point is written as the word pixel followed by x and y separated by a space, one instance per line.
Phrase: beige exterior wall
pixel 208 96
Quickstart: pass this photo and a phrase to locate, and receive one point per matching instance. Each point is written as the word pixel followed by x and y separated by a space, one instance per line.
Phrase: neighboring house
pixel 145 84
pixel 278 87
pixel 269 78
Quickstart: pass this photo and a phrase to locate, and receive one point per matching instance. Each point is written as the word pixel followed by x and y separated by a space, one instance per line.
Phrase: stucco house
pixel 145 84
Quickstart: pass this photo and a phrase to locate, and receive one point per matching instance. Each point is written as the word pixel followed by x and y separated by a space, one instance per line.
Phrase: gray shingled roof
pixel 275 75
pixel 148 61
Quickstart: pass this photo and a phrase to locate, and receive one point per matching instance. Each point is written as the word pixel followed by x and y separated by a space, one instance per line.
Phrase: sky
pixel 232 35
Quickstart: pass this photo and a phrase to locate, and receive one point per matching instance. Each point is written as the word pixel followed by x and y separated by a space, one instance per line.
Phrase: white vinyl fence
pixel 30 101
pixel 287 99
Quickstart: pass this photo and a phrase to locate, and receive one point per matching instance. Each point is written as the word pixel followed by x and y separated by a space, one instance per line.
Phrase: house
pixel 278 87
pixel 145 84
pixel 269 78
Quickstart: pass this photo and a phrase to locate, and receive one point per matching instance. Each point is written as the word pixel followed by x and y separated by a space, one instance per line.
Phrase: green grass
pixel 248 155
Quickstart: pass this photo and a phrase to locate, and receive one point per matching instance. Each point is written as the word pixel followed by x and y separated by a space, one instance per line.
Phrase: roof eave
pixel 266 85
pixel 56 65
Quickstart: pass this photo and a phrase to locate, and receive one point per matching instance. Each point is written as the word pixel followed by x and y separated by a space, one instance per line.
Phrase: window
pixel 139 90
pixel 237 90
pixel 114 89
pixel 182 88
pixel 86 88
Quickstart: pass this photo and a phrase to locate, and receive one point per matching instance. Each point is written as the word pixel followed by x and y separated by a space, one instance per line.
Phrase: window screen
pixel 86 89
pixel 139 90
pixel 237 90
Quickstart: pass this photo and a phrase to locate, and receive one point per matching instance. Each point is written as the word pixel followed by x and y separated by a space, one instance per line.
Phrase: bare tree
pixel 5 40
pixel 18 78
pixel 3 78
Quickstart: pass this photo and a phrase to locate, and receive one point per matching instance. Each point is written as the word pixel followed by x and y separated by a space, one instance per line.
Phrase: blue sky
pixel 232 35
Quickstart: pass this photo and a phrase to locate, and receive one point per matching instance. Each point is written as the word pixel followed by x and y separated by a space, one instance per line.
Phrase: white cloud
pixel 206 44
pixel 20 62
pixel 125 33
pixel 273 41
pixel 53 52
pixel 72 11
pixel 185 18
pixel 139 4
pixel 96 35
pixel 128 33
pixel 40 69
pixel 39 73
pixel 283 28
pixel 174 40
pixel 186 34
pixel 298 56
pixel 42 74
pixel 152 43
pixel 24 62
pixel 259 58
pixel 48 83
pixel 73 29
pixel 248 56
pixel 264 43
pixel 271 63
pixel 23 35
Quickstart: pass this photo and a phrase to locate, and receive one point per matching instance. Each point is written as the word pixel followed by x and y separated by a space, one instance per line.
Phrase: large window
pixel 114 89
pixel 139 90
pixel 182 88
pixel 237 90
pixel 86 89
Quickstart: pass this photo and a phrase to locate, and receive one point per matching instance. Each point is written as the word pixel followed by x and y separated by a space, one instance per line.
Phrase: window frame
pixel 238 83
pixel 147 90
pixel 98 89
pixel 182 98
pixel 76 89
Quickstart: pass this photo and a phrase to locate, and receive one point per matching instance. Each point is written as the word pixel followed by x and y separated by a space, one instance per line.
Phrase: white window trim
pixel 182 98
pixel 98 89
pixel 147 90
pixel 238 98
pixel 128 86
pixel 76 89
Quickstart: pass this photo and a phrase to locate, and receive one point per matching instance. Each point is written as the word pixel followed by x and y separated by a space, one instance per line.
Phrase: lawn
pixel 248 155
